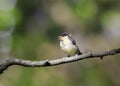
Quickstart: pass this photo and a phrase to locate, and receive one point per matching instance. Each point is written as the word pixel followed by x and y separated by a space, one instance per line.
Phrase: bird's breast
pixel 68 48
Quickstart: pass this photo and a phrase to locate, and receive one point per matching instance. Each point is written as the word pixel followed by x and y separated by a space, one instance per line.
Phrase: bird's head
pixel 64 36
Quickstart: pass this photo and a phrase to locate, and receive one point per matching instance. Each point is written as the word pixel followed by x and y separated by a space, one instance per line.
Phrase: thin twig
pixel 6 62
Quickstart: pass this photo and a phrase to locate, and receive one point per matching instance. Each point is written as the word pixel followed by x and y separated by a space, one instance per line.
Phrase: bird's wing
pixel 73 41
pixel 77 51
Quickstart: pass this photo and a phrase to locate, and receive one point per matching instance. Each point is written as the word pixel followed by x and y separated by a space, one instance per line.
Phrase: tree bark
pixel 7 62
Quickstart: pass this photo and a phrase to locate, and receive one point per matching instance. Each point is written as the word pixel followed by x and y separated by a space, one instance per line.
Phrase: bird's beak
pixel 60 37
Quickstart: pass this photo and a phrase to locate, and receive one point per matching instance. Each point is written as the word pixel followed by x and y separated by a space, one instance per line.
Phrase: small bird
pixel 68 44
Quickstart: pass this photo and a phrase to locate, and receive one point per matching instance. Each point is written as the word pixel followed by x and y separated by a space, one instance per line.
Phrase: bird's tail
pixel 78 51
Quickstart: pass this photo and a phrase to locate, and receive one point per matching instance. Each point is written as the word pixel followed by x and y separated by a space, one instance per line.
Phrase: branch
pixel 6 62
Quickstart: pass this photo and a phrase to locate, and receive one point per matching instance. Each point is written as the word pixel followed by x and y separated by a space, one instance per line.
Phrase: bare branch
pixel 6 62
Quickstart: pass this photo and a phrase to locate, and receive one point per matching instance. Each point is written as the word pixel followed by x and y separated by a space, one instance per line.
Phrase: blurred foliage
pixel 106 16
pixel 86 9
pixel 7 18
pixel 37 24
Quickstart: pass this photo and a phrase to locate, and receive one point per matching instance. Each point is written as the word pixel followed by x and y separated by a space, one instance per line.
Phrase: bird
pixel 68 44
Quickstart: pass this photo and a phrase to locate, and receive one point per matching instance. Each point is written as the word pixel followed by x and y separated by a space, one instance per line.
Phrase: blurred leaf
pixel 9 18
pixel 106 15
pixel 86 9
pixel 5 19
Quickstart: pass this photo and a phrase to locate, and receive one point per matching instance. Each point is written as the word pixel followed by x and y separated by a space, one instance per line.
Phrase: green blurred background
pixel 29 30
